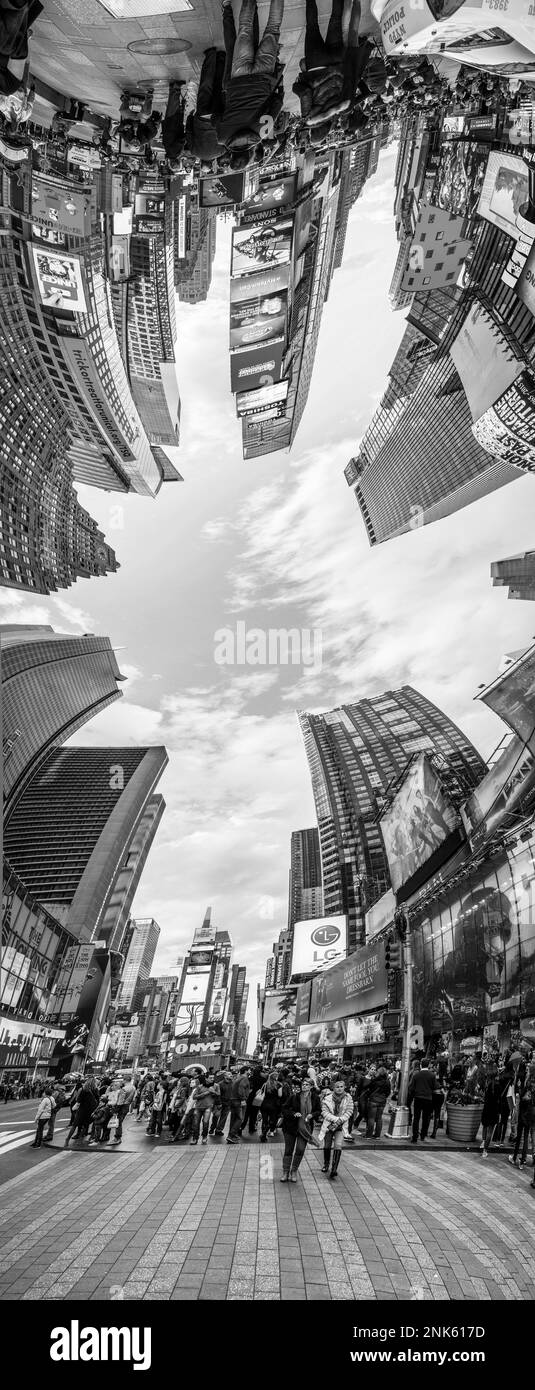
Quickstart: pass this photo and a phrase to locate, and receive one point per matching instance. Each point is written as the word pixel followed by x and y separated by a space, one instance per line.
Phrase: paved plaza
pixel 215 1223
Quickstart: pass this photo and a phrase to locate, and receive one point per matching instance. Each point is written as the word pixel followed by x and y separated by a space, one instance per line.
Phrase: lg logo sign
pixel 325 936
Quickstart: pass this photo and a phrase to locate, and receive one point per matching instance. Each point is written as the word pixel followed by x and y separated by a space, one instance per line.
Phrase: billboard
pixel 279 1010
pixel 504 787
pixel 188 1020
pixel 64 208
pixel 302 1007
pixel 181 228
pixel 59 280
pixel 195 987
pixel 252 401
pixel 512 695
pixel 258 286
pixel 253 320
pixel 277 193
pixel 363 1031
pixel 261 246
pixel 461 175
pixel 149 205
pixel 256 365
pixel 419 820
pixel 507 428
pixel 350 987
pixel 317 944
pixel 505 189
pixel 484 360
pixel 381 915
pixel 224 190
pixel 323 1034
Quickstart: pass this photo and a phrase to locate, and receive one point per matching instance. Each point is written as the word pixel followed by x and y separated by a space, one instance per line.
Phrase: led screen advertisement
pixel 275 194
pixel 279 1010
pixel 266 396
pixel 504 191
pixel 350 987
pixel 63 208
pixel 512 695
pixel 59 280
pixel 507 783
pixel 258 319
pixel 225 190
pixel 261 246
pixel 419 820
pixel 266 282
pixel 195 988
pixel 313 1035
pixel 484 360
pixel 188 1020
pixel 258 365
pixel 317 944
pixel 507 428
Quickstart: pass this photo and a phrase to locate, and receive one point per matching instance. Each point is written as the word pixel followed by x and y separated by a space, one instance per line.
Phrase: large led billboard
pixel 317 944
pixel 352 986
pixel 59 280
pixel 195 988
pixel 504 191
pixel 259 318
pixel 270 281
pixel 512 695
pixel 224 190
pixel 266 396
pixel 258 365
pixel 279 1010
pixel 273 194
pixel 419 820
pixel 261 246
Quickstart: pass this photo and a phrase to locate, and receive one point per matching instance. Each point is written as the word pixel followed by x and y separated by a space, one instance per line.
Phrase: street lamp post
pixel 401 1120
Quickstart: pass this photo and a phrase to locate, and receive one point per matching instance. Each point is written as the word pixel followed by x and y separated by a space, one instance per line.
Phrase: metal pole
pixel 401 1121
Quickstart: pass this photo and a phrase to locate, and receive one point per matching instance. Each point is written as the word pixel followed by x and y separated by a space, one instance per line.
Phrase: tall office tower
pixel 354 753
pixel 47 539
pixel 51 685
pixel 235 1000
pixel 424 463
pixel 149 316
pixel 305 898
pixel 140 949
pixel 195 278
pixel 121 896
pixel 70 833
pixel 517 571
pixel 242 1029
pixel 359 163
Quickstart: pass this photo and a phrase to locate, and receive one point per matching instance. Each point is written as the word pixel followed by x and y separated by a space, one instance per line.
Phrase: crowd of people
pixel 344 1103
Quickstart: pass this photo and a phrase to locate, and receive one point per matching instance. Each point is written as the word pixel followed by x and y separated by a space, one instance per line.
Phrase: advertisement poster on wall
pixel 257 365
pixel 317 944
pixel 509 424
pixel 484 360
pixel 279 1010
pixel 59 280
pixel 505 189
pixel 261 246
pixel 419 820
pixel 352 986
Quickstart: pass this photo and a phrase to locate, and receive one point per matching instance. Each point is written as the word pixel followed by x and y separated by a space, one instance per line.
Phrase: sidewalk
pixel 216 1224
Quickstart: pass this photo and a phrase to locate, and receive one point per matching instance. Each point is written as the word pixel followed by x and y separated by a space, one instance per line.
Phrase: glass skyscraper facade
pixel 354 754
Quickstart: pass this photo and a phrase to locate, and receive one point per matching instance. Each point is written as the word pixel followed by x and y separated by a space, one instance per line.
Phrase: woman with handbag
pixel 250 1118
pixel 299 1111
pixel 270 1107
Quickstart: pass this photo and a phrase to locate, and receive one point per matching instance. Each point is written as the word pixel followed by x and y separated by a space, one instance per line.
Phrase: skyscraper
pixel 51 685
pixel 70 833
pixel 305 898
pixel 140 949
pixel 354 753
pixel 517 571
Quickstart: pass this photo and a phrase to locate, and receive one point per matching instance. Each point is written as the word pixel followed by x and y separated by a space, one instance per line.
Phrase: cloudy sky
pixel 279 542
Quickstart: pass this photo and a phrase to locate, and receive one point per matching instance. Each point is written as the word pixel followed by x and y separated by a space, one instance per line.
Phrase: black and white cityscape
pixel 267 335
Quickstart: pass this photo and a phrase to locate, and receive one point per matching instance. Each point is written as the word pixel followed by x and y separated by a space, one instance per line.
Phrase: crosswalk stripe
pixel 15 1142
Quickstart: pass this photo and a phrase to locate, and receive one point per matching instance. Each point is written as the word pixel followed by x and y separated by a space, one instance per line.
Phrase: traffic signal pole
pixel 401 1121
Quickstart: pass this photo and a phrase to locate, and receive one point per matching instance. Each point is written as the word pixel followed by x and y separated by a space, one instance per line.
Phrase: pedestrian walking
pixel 336 1109
pixel 331 68
pixel 491 1108
pixel 377 1098
pixel 526 1120
pixel 84 1102
pixel 238 1101
pixel 254 97
pixel 270 1108
pixel 204 1096
pixel 421 1097
pixel 252 1108
pixel 299 1112
pixel 225 1082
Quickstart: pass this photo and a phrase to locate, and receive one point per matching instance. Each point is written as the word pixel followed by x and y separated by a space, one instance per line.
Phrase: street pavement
pixel 215 1223
pixel 78 48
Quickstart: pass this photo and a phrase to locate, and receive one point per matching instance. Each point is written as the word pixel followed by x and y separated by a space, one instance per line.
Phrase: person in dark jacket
pixel 526 1119
pixel 251 1111
pixel 84 1102
pixel 16 19
pixel 421 1089
pixel 491 1108
pixel 331 70
pixel 377 1098
pixel 239 1093
pixel 225 1082
pixel 299 1111
pixel 270 1108
pixel 253 96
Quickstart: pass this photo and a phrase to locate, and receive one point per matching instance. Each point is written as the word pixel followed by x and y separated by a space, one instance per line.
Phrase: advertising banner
pixel 502 791
pixel 181 228
pixel 484 360
pixel 512 695
pixel 323 1035
pixel 256 366
pixel 261 246
pixel 302 1007
pixel 188 1020
pixel 47 235
pixel 226 190
pixel 362 1031
pixel 460 176
pixel 59 280
pixel 251 401
pixel 195 988
pixel 277 193
pixel 149 226
pixel 381 915
pixel 149 205
pixel 258 286
pixel 61 207
pixel 419 820
pixel 350 987
pixel 317 944
pixel 15 154
pixel 507 428
pixel 255 320
pixel 505 189
pixel 286 1044
pixel 279 1010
